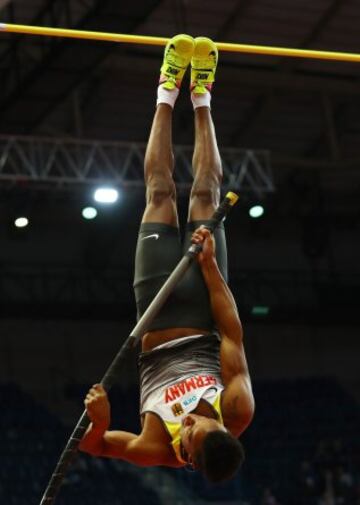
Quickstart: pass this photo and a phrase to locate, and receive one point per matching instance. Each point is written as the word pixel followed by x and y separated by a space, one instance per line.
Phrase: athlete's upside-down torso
pixel 154 433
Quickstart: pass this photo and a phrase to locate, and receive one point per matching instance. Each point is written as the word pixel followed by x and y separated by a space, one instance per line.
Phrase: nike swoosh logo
pixel 155 235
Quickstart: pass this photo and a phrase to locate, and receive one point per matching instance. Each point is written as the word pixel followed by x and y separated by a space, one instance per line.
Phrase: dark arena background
pixel 75 115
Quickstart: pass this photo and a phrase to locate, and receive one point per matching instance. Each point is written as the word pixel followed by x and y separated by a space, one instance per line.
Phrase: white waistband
pixel 176 341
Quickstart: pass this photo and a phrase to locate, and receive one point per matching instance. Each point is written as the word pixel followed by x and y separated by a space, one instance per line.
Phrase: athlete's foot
pixel 203 65
pixel 177 56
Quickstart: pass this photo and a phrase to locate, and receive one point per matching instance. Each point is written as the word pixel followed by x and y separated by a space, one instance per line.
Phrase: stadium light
pixel 89 213
pixel 256 211
pixel 106 195
pixel 21 222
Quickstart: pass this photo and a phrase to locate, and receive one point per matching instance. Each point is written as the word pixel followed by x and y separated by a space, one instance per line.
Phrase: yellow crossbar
pixel 161 41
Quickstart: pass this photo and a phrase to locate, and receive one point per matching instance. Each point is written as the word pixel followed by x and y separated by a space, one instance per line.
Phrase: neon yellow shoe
pixel 203 65
pixel 177 56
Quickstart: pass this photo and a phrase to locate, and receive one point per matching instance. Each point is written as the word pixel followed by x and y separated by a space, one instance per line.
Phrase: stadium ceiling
pixel 69 108
pixel 304 112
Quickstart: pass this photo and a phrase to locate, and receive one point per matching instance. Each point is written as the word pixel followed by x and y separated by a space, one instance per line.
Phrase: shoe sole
pixel 183 45
pixel 203 47
pixel 202 61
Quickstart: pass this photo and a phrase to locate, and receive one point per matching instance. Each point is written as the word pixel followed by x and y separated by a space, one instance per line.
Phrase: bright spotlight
pixel 21 222
pixel 106 195
pixel 256 211
pixel 89 213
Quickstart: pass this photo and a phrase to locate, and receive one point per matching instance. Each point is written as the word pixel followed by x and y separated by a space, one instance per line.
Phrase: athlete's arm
pixel 98 441
pixel 238 401
pixel 123 445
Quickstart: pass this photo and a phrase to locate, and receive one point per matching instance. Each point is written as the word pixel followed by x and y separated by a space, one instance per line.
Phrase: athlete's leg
pixel 207 167
pixel 159 247
pixel 205 193
pixel 159 158
pixel 159 166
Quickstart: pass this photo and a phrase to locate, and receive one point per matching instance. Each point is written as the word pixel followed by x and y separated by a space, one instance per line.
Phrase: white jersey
pixel 171 395
pixel 175 401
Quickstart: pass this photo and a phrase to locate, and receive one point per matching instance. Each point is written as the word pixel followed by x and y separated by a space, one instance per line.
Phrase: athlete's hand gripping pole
pixel 113 371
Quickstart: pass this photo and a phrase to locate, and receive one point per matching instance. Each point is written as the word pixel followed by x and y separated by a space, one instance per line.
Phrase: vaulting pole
pixel 161 41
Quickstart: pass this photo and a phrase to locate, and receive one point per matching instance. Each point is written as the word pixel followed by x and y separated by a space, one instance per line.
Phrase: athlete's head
pixel 210 448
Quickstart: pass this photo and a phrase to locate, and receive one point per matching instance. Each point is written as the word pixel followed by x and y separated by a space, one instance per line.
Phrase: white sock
pixel 201 100
pixel 168 96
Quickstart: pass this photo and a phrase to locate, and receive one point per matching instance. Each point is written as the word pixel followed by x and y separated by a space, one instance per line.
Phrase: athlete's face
pixel 193 431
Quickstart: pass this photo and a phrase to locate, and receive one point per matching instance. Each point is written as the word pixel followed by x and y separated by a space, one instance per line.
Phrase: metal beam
pixel 332 119
pixel 330 126
pixel 81 59
pixel 4 3
pixel 323 20
pixel 53 12
pixel 49 161
pixel 180 13
pixel 239 8
pixel 287 66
